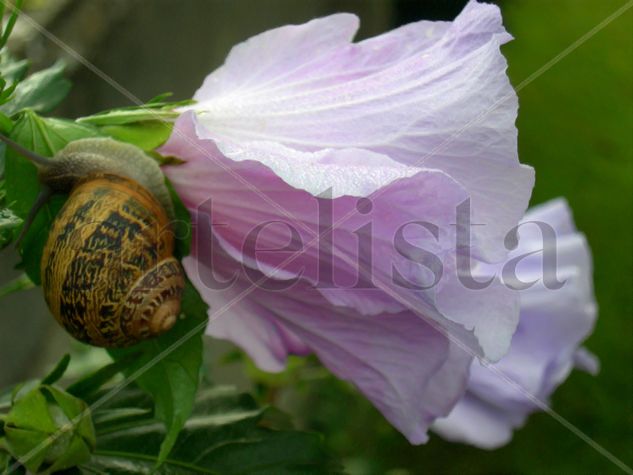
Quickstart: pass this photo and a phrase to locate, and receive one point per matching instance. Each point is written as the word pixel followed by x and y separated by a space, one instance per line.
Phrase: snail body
pixel 107 270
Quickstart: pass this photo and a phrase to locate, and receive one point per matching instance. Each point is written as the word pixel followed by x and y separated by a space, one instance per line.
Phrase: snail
pixel 108 272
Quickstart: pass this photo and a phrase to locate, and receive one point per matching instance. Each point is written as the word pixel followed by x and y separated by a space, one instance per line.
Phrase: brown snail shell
pixel 107 270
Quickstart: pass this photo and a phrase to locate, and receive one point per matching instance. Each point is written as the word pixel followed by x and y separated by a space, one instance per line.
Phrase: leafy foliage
pixel 40 92
pixel 47 429
pixel 8 223
pixel 58 371
pixel 131 115
pixel 147 126
pixel 13 16
pixel 87 386
pixel 11 70
pixel 227 434
pixel 169 367
pixel 146 135
pixel 5 462
pixel 22 282
pixel 20 99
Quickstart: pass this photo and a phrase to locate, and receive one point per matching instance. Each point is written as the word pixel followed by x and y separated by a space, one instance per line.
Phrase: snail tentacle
pixel 37 159
pixel 42 198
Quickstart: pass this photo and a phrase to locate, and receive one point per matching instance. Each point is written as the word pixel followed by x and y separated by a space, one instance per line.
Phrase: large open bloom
pixel 331 185
pixel 545 348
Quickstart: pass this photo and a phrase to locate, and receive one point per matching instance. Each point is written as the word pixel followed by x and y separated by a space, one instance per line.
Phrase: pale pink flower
pixel 299 124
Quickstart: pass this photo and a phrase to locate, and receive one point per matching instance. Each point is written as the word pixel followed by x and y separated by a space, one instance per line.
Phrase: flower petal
pixel 428 94
pixel 243 190
pixel 266 59
pixel 477 423
pixel 544 349
pixel 363 111
pixel 408 370
pixel 492 313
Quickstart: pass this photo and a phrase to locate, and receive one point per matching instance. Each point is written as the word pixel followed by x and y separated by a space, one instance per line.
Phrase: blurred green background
pixel 575 127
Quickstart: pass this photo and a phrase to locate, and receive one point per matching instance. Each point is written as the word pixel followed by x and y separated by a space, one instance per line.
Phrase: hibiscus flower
pixel 332 187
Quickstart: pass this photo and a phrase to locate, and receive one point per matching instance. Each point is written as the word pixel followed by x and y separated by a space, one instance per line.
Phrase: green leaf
pixel 161 98
pixel 48 429
pixel 18 284
pixel 147 135
pixel 155 110
pixel 85 387
pixel 58 371
pixel 6 124
pixel 27 426
pixel 5 461
pixel 44 136
pixel 12 70
pixel 129 116
pixel 31 412
pixel 8 223
pixel 127 414
pixel 40 92
pixel 147 126
pixel 75 410
pixel 193 306
pixel 227 434
pixel 123 408
pixel 8 28
pixel 181 225
pixel 170 366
